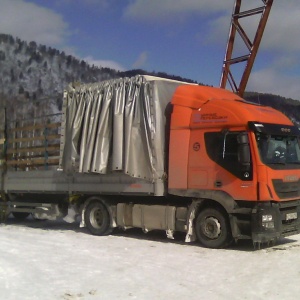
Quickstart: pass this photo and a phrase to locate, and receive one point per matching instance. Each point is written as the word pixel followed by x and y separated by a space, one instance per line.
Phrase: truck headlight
pixel 267 221
pixel 266 218
pixel 268 225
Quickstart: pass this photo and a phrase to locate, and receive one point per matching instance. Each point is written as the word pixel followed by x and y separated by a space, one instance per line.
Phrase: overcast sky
pixel 180 37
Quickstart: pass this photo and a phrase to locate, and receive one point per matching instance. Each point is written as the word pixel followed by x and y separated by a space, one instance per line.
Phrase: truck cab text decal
pixel 208 117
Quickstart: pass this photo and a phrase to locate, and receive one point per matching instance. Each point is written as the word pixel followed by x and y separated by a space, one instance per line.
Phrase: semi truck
pixel 157 154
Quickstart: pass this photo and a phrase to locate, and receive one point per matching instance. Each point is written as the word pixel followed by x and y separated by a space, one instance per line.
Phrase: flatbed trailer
pixel 152 153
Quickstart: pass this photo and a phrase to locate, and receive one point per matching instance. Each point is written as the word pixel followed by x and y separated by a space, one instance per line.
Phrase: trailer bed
pixel 56 181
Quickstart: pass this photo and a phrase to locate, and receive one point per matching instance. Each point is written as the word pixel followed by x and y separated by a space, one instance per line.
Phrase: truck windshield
pixel 278 149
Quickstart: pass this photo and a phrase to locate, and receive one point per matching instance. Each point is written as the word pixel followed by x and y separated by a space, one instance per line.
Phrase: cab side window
pixel 222 148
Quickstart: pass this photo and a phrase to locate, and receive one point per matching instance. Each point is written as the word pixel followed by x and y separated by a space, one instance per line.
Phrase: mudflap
pixel 265 223
pixel 4 211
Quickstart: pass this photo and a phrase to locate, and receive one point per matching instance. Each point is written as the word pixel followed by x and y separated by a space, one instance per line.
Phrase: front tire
pixel 212 228
pixel 97 218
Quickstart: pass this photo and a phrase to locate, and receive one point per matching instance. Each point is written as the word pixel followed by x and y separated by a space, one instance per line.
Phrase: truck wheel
pixel 213 228
pixel 20 216
pixel 97 218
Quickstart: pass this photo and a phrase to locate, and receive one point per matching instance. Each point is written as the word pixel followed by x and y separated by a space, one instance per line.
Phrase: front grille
pixel 289 227
pixel 286 190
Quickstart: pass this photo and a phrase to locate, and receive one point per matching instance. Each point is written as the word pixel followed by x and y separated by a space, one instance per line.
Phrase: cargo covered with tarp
pixel 117 126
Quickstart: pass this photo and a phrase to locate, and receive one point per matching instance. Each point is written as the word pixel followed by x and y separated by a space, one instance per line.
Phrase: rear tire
pixel 20 216
pixel 212 228
pixel 97 218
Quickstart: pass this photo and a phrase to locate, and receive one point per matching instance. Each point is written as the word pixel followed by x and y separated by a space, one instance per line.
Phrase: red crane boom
pixel 235 27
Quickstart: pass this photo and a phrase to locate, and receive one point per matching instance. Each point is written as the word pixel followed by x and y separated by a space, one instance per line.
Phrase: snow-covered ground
pixel 56 260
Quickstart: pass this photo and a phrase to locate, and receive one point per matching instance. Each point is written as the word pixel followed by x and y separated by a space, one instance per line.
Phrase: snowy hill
pixel 31 73
pixel 33 77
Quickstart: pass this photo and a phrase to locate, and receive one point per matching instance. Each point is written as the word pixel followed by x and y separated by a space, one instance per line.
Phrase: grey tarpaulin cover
pixel 117 126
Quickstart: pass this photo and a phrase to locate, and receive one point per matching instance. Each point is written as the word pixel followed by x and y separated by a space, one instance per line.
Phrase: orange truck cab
pixel 239 162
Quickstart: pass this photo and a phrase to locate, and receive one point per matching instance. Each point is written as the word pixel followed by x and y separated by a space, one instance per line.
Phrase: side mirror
pixel 244 156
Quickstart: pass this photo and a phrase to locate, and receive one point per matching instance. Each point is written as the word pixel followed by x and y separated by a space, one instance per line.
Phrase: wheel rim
pixel 211 228
pixel 96 217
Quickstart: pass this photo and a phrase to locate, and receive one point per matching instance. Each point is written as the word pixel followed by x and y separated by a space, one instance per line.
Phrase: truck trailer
pixel 157 154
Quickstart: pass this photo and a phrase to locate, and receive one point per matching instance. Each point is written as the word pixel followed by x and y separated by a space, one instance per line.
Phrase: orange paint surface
pixel 198 109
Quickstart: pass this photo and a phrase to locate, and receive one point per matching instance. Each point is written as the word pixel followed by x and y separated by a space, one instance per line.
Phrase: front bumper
pixel 270 221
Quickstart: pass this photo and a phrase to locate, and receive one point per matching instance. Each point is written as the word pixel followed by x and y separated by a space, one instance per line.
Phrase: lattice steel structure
pixel 252 46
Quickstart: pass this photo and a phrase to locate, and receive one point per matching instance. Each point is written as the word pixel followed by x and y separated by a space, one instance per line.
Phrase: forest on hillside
pixel 33 77
pixel 288 106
